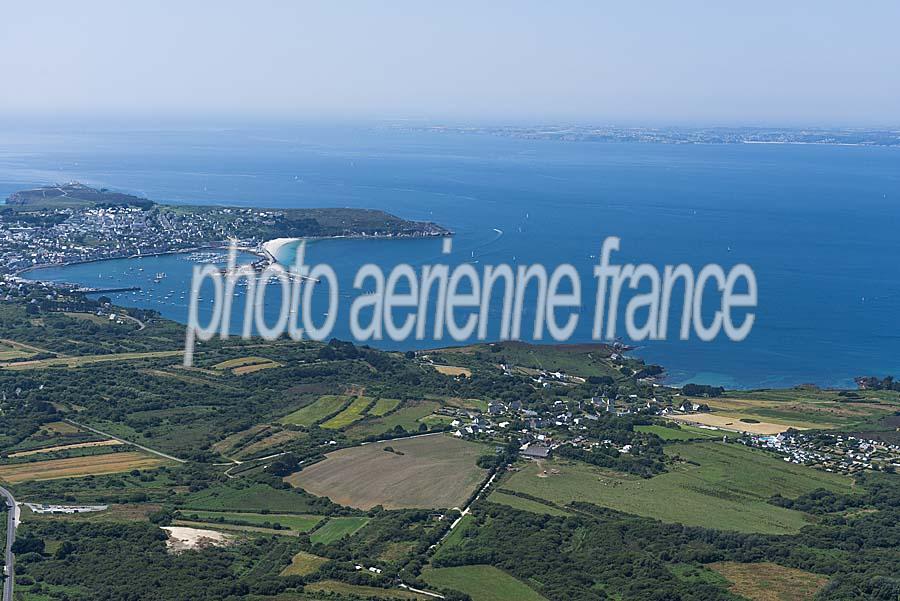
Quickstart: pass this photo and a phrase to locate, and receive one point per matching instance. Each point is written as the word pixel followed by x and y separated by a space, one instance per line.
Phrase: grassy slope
pixel 300 523
pixel 322 408
pixel 482 583
pixel 352 413
pixel 727 490
pixel 337 528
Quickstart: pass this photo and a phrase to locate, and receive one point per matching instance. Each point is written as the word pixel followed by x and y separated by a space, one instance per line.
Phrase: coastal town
pixel 72 223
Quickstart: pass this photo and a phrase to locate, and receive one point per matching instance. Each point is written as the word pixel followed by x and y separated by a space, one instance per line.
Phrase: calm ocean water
pixel 819 224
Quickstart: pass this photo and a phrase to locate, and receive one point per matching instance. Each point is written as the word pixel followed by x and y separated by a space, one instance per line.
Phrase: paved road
pixel 13 517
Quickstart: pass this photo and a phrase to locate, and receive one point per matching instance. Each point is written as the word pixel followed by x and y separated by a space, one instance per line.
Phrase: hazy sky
pixel 714 62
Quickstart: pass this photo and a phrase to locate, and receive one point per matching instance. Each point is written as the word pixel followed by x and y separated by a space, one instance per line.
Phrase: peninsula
pixel 71 223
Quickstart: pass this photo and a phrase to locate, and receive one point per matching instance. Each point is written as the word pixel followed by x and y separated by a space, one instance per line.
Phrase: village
pixel 839 453
pixel 67 235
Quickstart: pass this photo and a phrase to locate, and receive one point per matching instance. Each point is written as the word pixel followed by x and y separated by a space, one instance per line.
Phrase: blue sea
pixel 818 224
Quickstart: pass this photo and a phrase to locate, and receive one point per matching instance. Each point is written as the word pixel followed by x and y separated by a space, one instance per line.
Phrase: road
pixel 12 524
pixel 128 442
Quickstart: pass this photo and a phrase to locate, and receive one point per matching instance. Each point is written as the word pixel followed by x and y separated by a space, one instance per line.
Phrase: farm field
pixel 88 359
pixel 9 351
pixel 256 498
pixel 265 444
pixel 409 416
pixel 236 528
pixel 683 433
pixel 451 370
pixel 249 369
pixel 78 466
pixel 434 471
pixel 316 411
pixel 304 564
pixel 67 447
pixel 482 583
pixel 805 407
pixel 728 488
pixel 383 406
pixel 770 582
pixel 733 423
pixel 524 504
pixel 299 523
pixel 336 528
pixel 353 412
pixel 240 362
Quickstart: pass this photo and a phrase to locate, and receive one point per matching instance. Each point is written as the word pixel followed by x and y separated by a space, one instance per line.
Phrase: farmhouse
pixel 536 451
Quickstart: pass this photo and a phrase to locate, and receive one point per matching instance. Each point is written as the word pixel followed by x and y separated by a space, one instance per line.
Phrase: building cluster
pixel 541 432
pixel 70 235
pixel 64 509
pixel 839 453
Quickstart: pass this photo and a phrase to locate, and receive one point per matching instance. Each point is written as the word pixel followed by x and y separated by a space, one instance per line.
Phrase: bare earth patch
pixel 732 423
pixel 451 370
pixel 770 582
pixel 435 471
pixel 182 538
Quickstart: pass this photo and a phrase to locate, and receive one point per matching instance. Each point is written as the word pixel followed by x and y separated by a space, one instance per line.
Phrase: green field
pixel 683 433
pixel 256 498
pixel 336 528
pixel 408 417
pixel 482 583
pixel 304 564
pixel 317 411
pixel 724 486
pixel 353 412
pixel 383 406
pixel 299 523
pixel 524 504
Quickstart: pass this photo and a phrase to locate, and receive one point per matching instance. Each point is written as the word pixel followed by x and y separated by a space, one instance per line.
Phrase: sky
pixel 801 62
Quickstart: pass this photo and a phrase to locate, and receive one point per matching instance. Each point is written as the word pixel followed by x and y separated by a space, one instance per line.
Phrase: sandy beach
pixel 271 247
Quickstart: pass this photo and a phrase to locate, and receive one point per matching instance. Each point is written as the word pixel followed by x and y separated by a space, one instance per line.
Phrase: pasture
pixel 717 485
pixel 383 406
pixel 502 498
pixel 337 528
pixel 409 416
pixel 317 410
pixel 678 434
pixel 304 564
pixel 298 523
pixel 481 583
pixel 353 413
pixel 255 498
pixel 435 471
pixel 72 467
